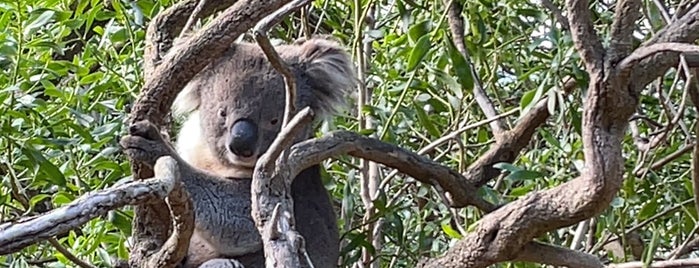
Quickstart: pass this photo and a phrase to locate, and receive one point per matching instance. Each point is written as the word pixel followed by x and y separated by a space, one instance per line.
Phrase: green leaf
pixel 419 30
pixel 526 99
pixel 506 166
pixel 459 65
pixel 36 22
pixel 425 121
pixel 524 175
pixel 450 231
pixel 418 52
pixel 51 172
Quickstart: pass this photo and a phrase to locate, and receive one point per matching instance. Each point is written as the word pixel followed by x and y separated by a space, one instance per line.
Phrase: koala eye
pixel 274 121
pixel 222 112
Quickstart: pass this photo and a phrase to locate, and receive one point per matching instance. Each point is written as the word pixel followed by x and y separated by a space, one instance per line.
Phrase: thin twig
pixel 193 17
pixel 456 26
pixel 286 137
pixel 69 255
pixel 557 13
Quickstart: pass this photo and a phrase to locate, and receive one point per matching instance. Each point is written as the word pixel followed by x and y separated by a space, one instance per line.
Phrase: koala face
pixel 240 98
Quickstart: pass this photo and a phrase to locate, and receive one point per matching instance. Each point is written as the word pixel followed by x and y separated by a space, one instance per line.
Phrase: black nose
pixel 243 139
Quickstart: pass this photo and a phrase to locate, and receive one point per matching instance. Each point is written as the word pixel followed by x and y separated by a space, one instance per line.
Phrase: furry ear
pixel 188 100
pixel 330 72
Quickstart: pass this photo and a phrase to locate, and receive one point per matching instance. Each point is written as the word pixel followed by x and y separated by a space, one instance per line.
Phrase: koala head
pixel 239 99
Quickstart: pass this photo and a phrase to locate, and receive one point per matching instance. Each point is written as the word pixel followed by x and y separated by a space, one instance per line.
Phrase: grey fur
pixel 242 85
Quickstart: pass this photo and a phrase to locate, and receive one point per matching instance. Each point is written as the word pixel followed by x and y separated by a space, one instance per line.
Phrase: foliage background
pixel 70 68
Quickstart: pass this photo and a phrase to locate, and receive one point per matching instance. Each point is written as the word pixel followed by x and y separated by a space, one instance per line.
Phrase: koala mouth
pixel 243 162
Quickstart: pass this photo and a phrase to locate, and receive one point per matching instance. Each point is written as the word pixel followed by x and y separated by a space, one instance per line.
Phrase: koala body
pixel 234 111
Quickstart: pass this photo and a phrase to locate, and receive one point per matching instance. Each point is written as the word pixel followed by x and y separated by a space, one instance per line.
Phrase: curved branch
pixel 311 152
pixel 683 30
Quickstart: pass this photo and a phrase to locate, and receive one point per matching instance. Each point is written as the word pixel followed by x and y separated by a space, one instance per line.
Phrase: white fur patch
pixel 192 148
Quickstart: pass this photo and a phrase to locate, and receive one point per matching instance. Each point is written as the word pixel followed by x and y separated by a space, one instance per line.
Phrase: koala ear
pixel 330 71
pixel 188 100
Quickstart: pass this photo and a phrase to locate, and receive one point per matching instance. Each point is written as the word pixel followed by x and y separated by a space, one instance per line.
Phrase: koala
pixel 234 110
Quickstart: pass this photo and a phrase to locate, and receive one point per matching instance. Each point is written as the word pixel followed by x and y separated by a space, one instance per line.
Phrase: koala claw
pixel 144 143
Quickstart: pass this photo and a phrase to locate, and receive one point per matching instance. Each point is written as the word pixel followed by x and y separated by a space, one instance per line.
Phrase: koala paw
pixel 144 143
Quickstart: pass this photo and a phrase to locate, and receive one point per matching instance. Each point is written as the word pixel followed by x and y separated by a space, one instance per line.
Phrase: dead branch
pixel 272 205
pixel 456 26
pixel 16 235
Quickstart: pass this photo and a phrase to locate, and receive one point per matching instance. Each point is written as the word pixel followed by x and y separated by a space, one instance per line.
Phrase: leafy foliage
pixel 70 68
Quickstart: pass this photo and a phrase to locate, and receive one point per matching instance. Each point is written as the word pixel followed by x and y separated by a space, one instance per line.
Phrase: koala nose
pixel 243 139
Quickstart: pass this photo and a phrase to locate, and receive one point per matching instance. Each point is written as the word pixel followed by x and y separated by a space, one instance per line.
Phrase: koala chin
pixel 234 109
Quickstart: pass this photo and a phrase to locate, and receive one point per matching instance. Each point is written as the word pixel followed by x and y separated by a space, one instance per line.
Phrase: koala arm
pixel 221 206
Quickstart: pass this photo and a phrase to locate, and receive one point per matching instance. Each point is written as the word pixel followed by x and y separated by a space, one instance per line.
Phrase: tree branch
pixel 456 26
pixel 272 205
pixel 557 256
pixel 684 30
pixel 16 235
pixel 557 13
pixel 621 35
pixel 584 36
pixel 167 26
pixel 659 264
pixel 311 152
pixel 260 32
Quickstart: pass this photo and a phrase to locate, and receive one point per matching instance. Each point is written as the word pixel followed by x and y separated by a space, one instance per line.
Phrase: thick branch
pixel 684 30
pixel 16 235
pixel 167 25
pixel 649 51
pixel 584 36
pixel 558 256
pixel 621 39
pixel 312 152
pixel 272 205
pixel 508 148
